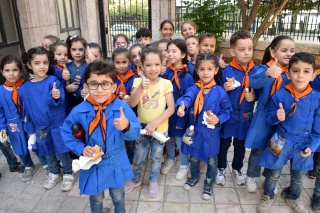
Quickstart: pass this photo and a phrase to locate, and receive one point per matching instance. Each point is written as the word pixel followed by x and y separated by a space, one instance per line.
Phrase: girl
pixel 120 40
pixel 188 28
pixel 58 59
pixel 135 54
pixel 203 98
pixel 181 80
pixel 166 29
pixel 270 77
pixel 43 102
pixel 93 52
pixel 193 50
pixel 154 98
pixel 162 45
pixel 49 39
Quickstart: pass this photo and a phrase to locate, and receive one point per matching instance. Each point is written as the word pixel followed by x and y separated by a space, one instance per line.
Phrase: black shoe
pixel 207 189
pixel 17 168
pixel 190 183
pixel 312 174
pixel 285 192
pixel 315 203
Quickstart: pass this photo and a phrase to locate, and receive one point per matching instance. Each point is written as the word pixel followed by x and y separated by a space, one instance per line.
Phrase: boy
pixel 243 99
pixel 193 49
pixel 107 121
pixel 295 110
pixel 143 36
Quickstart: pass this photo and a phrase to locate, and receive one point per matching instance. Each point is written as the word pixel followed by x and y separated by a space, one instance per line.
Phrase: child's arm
pixel 276 113
pixel 56 96
pixel 187 99
pixel 315 133
pixel 226 109
pixel 136 92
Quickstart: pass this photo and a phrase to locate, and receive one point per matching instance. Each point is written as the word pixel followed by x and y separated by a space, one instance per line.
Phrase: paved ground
pixel 17 196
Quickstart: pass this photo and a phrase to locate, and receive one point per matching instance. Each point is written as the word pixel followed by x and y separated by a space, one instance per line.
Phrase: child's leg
pixel 117 195
pixel 26 160
pixel 156 158
pixel 315 201
pixel 254 169
pixel 270 182
pixel 296 184
pixel 194 167
pixel 29 167
pixel 42 159
pixel 239 152
pixel 130 150
pixel 184 158
pixel 66 162
pixel 53 164
pixel 8 153
pixel 140 153
pixel 170 151
pixel 96 203
pixel 222 156
pixel 210 175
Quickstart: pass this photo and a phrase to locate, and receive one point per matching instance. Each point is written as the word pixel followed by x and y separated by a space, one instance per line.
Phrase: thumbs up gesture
pixel 145 83
pixel 281 113
pixel 274 71
pixel 122 122
pixel 181 109
pixel 55 91
pixel 222 63
pixel 89 56
pixel 65 73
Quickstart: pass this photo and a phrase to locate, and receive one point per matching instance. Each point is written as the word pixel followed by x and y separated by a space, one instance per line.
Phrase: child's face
pixel 301 74
pixel 166 31
pixel 208 45
pixel 207 70
pixel 39 65
pixel 163 49
pixel 242 51
pixel 175 55
pixel 95 52
pixel 46 43
pixel 284 52
pixel 121 42
pixel 152 66
pixel 136 56
pixel 61 55
pixel 121 62
pixel 188 30
pixel 77 51
pixel 144 40
pixel 100 95
pixel 193 47
pixel 11 72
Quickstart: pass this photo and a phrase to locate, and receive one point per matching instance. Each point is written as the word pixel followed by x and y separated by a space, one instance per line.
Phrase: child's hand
pixel 3 136
pixel 181 109
pixel 222 64
pixel 77 79
pixel 55 91
pixel 306 152
pixel 151 127
pixel 281 115
pixel 274 71
pixel 213 120
pixel 145 83
pixel 90 56
pixel 72 87
pixel 250 96
pixel 88 151
pixel 227 86
pixel 84 93
pixel 122 122
pixel 65 73
pixel 163 70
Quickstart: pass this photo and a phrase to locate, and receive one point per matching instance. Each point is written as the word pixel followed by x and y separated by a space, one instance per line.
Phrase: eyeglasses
pixel 104 85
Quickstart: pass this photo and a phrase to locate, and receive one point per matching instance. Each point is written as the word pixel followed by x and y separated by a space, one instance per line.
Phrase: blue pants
pixel 238 156
pixel 254 169
pixel 8 153
pixel 211 168
pixel 316 189
pixel 130 150
pixel 170 147
pixel 53 164
pixel 117 195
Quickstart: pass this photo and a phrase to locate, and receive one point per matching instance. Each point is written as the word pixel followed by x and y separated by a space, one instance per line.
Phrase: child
pixel 166 30
pixel 181 81
pixel 143 36
pixel 162 45
pixel 295 111
pixel 49 39
pixel 120 40
pixel 193 50
pixel 43 102
pixel 58 59
pixel 135 54
pixel 107 121
pixel 200 99
pixel 93 52
pixel 154 98
pixel 188 28
pixel 270 77
pixel 243 99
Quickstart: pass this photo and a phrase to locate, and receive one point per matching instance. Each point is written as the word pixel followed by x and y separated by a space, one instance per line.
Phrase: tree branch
pixel 243 10
pixel 253 14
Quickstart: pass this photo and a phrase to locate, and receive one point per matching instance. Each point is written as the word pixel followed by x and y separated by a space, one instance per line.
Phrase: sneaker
pixel 251 185
pixel 296 205
pixel 165 169
pixel 265 204
pixel 221 178
pixel 27 174
pixel 207 190
pixel 154 190
pixel 285 192
pixel 275 191
pixel 46 170
pixel 182 173
pixel 17 168
pixel 240 179
pixel 129 185
pixel 312 174
pixel 190 183
pixel 52 180
pixel 67 182
pixel 315 203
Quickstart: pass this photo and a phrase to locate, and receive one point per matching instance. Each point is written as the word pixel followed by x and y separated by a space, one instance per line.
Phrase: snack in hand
pixel 209 113
pixel 230 80
pixel 98 153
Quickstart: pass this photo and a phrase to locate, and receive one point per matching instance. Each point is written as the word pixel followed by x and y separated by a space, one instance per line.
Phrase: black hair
pixel 149 50
pixel 142 46
pixel 100 67
pixel 8 59
pixel 163 40
pixel 120 50
pixel 72 39
pixel 143 32
pixel 28 56
pixel 119 36
pixel 164 22
pixel 241 34
pixel 96 46
pixel 207 57
pixel 274 45
pixel 193 36
pixel 303 57
pixel 52 49
pixel 181 44
pixel 206 35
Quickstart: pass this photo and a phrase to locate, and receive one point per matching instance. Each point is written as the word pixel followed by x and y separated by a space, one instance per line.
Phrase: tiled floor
pixel 17 196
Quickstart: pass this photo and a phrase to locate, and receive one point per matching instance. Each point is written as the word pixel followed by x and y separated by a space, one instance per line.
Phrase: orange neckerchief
pixel 296 96
pixel 175 77
pixel 278 81
pixel 100 118
pixel 199 102
pixel 194 61
pixel 121 87
pixel 59 67
pixel 15 94
pixel 245 81
pixel 135 70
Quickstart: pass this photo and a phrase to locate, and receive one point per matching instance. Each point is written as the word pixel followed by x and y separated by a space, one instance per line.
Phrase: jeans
pixel 316 189
pixel 26 160
pixel 143 144
pixel 296 182
pixel 130 150
pixel 42 159
pixel 211 168
pixel 53 164
pixel 117 195
pixel 170 147
pixel 238 156
pixel 254 169
pixel 8 153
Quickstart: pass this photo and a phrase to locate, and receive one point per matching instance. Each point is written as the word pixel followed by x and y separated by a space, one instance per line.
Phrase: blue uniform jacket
pixel 300 130
pixel 206 142
pixel 259 131
pixel 128 84
pixel 241 116
pixel 114 169
pixel 185 82
pixel 191 67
